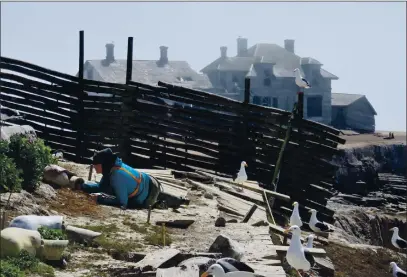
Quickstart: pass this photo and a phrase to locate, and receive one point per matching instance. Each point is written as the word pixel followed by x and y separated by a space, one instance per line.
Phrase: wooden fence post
pixel 80 132
pixel 126 115
pixel 246 127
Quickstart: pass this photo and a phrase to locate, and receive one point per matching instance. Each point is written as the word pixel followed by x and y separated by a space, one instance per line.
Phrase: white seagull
pixel 300 81
pixel 298 257
pixel 396 240
pixel 241 176
pixel 216 270
pixel 316 225
pixel 397 271
pixel 295 218
pixel 310 241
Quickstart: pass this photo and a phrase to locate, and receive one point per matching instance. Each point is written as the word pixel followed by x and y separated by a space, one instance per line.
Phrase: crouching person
pixel 129 188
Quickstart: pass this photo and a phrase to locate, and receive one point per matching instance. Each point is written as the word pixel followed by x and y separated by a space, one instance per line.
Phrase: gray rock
pixel 203 263
pixel 226 246
pixel 220 222
pixel 8 131
pixel 208 195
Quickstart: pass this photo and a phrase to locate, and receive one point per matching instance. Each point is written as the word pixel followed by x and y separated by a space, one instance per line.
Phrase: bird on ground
pixel 397 271
pixel 230 264
pixel 241 176
pixel 300 81
pixel 397 242
pixel 316 225
pixel 216 270
pixel 297 256
pixel 295 218
pixel 310 241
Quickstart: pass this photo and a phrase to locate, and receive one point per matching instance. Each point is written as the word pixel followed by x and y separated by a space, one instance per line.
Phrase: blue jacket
pixel 125 183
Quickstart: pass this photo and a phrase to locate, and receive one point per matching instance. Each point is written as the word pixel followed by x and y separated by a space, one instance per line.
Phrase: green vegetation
pixel 22 162
pixel 52 234
pixel 153 234
pixel 24 264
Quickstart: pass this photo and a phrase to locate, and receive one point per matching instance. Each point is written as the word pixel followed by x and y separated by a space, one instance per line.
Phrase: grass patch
pixel 104 229
pixel 155 237
pixel 132 224
pixel 52 234
pixel 365 261
pixel 23 265
pixel 152 234
pixel 110 241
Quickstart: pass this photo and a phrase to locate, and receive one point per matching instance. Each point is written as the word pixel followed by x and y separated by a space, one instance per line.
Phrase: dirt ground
pixel 372 139
pixel 363 261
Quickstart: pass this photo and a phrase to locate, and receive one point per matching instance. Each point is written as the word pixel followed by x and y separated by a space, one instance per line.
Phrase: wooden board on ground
pixel 231 201
pixel 326 267
pixel 157 258
pixel 313 251
pixel 188 271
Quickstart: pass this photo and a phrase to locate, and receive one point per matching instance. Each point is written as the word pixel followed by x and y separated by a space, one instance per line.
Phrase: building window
pixel 257 100
pixel 314 106
pixel 235 79
pixel 275 102
pixel 266 101
pixel 267 72
pixel 267 82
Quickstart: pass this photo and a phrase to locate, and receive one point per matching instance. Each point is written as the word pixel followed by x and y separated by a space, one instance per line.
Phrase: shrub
pixel 31 156
pixel 53 234
pixel 22 264
pixel 9 270
pixel 10 176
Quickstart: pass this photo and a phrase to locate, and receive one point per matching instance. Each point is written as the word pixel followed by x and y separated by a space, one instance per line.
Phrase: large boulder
pixel 14 240
pixel 8 131
pixel 33 222
pixel 226 246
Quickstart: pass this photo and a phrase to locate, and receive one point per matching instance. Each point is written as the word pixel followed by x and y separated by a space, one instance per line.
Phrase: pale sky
pixel 364 44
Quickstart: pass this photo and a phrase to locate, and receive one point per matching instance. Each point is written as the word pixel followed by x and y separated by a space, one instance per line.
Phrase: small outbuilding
pixel 353 112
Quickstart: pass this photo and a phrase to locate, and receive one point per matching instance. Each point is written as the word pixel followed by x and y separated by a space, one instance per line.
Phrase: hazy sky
pixel 364 44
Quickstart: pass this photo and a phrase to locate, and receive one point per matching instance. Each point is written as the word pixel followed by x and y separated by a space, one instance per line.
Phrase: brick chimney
pixel 109 52
pixel 289 45
pixel 163 55
pixel 241 47
pixel 223 52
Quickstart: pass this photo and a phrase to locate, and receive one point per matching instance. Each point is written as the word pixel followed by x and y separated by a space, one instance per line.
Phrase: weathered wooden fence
pixel 173 127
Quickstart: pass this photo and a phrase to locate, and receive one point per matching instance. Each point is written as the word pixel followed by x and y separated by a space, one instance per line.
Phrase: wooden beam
pixel 313 251
pixel 249 214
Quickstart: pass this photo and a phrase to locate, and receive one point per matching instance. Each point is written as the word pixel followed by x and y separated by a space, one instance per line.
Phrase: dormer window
pixel 184 79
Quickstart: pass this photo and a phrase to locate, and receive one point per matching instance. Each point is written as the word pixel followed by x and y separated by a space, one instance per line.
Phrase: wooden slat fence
pixel 168 126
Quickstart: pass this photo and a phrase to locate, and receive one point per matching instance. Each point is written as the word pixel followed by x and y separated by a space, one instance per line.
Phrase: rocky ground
pixel 356 230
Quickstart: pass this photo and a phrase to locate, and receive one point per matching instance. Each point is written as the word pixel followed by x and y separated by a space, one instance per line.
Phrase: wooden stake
pixel 149 214
pixel 249 213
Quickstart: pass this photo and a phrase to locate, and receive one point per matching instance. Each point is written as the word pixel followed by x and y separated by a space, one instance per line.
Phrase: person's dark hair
pixel 106 158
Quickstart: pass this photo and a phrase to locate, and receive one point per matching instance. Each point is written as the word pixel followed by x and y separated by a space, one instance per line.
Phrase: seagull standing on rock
pixel 295 218
pixel 300 81
pixel 241 176
pixel 398 242
pixel 297 256
pixel 397 271
pixel 310 241
pixel 316 225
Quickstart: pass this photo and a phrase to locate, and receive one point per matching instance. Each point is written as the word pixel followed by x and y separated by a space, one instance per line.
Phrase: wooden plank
pixel 248 185
pixel 313 251
pixel 188 271
pixel 157 258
